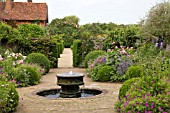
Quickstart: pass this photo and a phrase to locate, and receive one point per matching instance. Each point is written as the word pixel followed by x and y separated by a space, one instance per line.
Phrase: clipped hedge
pixel 89 59
pixel 134 71
pixel 39 59
pixel 9 97
pixel 104 73
pixel 77 53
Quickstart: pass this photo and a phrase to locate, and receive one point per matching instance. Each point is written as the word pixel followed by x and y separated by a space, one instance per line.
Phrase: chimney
pixel 8 6
pixel 29 0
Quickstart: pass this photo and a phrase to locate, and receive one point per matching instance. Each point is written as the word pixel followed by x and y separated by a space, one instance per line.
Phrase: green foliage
pixel 152 92
pixel 46 46
pixel 89 59
pixel 31 31
pixel 33 71
pixel 67 26
pixel 77 53
pixel 126 86
pixel 9 97
pixel 39 59
pixel 9 37
pixel 157 22
pixel 21 76
pixel 120 61
pixel 95 67
pixel 134 71
pixel 104 73
pixel 92 72
pixel 125 35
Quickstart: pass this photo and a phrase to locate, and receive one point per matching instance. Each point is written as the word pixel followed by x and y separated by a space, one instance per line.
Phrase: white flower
pixel 20 61
pixel 1 58
pixel 13 54
pixel 7 51
pixel 24 57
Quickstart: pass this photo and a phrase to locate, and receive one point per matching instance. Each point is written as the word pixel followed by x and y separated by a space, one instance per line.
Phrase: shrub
pixel 89 59
pixel 134 71
pixel 20 76
pixel 9 97
pixel 92 72
pixel 31 31
pixel 147 95
pixel 126 86
pixel 77 53
pixel 34 73
pixel 120 61
pixel 104 73
pixel 40 59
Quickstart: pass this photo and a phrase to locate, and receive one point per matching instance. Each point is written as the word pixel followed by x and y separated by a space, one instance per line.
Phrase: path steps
pixel 66 59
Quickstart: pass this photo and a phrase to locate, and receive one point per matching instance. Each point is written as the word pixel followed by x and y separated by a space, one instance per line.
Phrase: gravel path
pixel 103 103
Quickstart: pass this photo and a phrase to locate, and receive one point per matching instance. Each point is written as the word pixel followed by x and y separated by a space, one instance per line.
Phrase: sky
pixel 103 11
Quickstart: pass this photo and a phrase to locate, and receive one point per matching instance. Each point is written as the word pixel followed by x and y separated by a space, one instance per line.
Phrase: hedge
pixel 77 53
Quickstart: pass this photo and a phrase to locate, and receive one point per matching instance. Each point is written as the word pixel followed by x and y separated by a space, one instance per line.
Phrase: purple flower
pixel 152 106
pixel 18 83
pixel 168 93
pixel 133 105
pixel 160 108
pixel 119 109
pixel 128 111
pixel 146 104
pixel 152 103
pixel 42 70
pixel 164 112
pixel 1 69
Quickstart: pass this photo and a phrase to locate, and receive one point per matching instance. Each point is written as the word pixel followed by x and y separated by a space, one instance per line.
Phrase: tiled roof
pixel 24 11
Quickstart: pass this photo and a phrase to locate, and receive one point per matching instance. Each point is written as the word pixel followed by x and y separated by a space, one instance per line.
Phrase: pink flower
pixel 168 93
pixel 128 111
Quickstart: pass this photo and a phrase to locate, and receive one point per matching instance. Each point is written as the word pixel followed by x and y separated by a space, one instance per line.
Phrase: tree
pixel 67 26
pixel 157 23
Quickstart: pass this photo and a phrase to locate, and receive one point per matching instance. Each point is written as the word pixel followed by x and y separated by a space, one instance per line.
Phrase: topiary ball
pixel 134 71
pixel 92 56
pixel 104 73
pixel 39 59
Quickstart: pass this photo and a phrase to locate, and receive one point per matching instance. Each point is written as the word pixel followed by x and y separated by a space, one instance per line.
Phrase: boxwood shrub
pixel 9 97
pixel 134 71
pixel 90 57
pixel 104 73
pixel 40 59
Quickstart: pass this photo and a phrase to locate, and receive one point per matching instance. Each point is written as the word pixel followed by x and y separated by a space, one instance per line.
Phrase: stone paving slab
pixel 103 103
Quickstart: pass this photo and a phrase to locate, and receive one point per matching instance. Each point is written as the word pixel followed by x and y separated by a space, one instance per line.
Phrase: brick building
pixel 24 12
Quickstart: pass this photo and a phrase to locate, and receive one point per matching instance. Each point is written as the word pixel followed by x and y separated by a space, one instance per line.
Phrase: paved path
pixel 65 59
pixel 31 103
